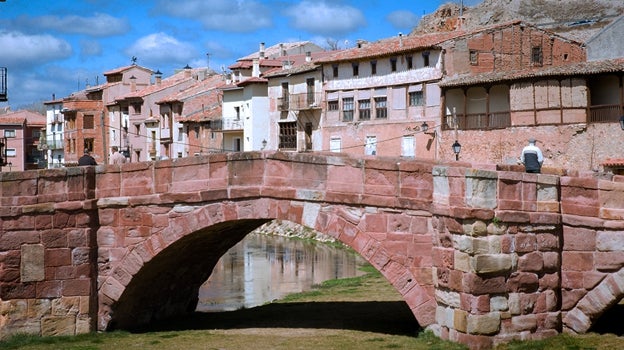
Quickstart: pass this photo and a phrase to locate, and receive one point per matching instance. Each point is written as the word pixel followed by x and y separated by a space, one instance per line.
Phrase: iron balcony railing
pixel 297 102
pixel 226 124
pixel 57 144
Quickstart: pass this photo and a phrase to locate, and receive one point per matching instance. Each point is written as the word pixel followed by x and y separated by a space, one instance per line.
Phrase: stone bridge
pixel 481 255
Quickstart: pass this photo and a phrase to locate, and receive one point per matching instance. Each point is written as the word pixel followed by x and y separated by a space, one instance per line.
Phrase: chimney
pixel 187 71
pixel 282 50
pixel 255 71
pixel 308 56
pixel 133 83
pixel 158 76
pixel 400 39
pixel 261 53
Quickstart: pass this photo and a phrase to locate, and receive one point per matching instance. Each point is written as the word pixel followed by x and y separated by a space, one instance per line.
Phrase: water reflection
pixel 263 268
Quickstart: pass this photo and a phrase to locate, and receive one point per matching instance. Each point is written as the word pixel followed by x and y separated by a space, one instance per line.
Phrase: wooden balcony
pixel 478 121
pixel 605 113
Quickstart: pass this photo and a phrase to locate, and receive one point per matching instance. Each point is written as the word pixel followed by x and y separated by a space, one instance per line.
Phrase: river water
pixel 262 268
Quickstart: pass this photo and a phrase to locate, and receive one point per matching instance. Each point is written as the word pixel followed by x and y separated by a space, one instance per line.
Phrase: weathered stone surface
pixel 32 267
pixel 492 263
pixel 475 253
pixel 58 325
pixel 484 324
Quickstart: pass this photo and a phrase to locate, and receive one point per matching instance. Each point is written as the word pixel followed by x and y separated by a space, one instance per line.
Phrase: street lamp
pixel 456 148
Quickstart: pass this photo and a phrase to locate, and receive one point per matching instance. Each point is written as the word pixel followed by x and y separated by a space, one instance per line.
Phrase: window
pixel 335 144
pixel 381 110
pixel 393 64
pixel 410 62
pixel 356 69
pixel 9 133
pixel 137 108
pixel 11 152
pixel 88 121
pixel 416 98
pixel 89 144
pixel 180 134
pixel 237 112
pixel 332 105
pixel 347 109
pixel 364 109
pixel 213 135
pixel 335 71
pixel 474 57
pixel 196 129
pixel 407 146
pixel 138 128
pixel 288 135
pixel 371 146
pixel 536 55
pixel 373 67
pixel 426 58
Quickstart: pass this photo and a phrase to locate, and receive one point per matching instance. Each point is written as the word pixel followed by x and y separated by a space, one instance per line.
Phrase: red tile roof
pixel 573 69
pixel 123 69
pixel 168 82
pixel 23 116
pixel 613 162
pixel 391 46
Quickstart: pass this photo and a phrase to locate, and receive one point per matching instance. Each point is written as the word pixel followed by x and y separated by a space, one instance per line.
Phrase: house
pixel 85 121
pixel 245 122
pixel 83 113
pixel 20 134
pixel 515 81
pixel 54 145
pixel 295 104
pixel 200 114
pixel 146 132
pixel 377 95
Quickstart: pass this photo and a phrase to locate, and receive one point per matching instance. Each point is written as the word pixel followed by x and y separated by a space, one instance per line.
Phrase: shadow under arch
pixel 168 284
pixel 598 301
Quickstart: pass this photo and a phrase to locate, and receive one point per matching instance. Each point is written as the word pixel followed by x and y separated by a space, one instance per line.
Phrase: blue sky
pixel 57 47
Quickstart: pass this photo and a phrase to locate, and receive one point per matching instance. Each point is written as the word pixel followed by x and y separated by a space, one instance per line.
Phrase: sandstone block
pixel 487 324
pixel 32 267
pixel 609 241
pixel 460 322
pixel 52 326
pixel 492 263
pixel 499 303
pixel 524 323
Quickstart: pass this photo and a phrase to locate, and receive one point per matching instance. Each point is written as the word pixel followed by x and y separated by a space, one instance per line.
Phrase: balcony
pixel 479 121
pixel 3 84
pixel 298 102
pixel 165 134
pixel 227 124
pixel 57 144
pixel 605 113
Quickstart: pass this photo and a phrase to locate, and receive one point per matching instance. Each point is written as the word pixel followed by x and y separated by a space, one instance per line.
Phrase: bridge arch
pixel 159 276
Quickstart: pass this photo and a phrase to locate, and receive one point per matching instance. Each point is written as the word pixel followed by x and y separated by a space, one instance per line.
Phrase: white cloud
pixel 21 50
pixel 90 48
pixel 403 19
pixel 325 18
pixel 99 25
pixel 224 15
pixel 160 48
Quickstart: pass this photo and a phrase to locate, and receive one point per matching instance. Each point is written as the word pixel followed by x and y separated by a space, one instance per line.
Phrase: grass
pixel 360 313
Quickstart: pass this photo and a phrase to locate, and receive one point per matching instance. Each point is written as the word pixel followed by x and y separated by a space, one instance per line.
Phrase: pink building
pixel 20 133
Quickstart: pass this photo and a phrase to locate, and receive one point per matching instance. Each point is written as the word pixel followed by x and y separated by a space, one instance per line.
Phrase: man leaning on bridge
pixel 532 157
